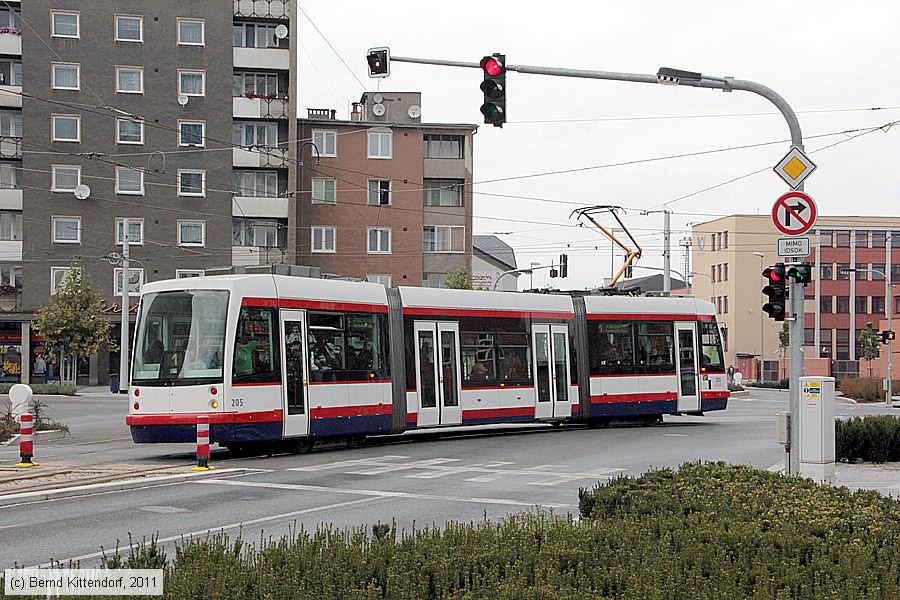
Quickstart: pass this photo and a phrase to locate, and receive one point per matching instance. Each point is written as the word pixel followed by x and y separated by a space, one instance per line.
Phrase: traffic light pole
pixel 726 84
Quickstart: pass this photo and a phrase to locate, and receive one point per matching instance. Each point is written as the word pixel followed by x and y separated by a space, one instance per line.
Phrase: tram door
pixel 295 371
pixel 688 370
pixel 438 378
pixel 550 349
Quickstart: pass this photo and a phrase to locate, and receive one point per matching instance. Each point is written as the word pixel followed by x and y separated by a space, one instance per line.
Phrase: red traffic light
pixel 492 66
pixel 772 274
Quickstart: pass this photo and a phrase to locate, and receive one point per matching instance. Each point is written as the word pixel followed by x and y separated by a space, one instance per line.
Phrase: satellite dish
pixel 378 110
pixel 415 111
pixel 281 31
pixel 378 98
pixel 183 99
pixel 82 192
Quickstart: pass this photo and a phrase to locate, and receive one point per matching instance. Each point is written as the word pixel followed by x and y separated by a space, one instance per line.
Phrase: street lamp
pixel 762 321
pixel 889 392
pixel 711 282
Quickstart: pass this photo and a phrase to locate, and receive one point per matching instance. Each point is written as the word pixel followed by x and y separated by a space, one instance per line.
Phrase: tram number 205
pixel 237 403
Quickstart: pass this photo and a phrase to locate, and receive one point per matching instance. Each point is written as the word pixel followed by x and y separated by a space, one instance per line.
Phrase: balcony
pixel 10 298
pixel 263 9
pixel 10 96
pixel 260 157
pixel 273 208
pixel 262 58
pixel 10 199
pixel 256 107
pixel 10 148
pixel 11 250
pixel 10 41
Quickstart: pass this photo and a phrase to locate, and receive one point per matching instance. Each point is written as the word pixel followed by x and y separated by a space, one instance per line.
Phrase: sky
pixel 834 62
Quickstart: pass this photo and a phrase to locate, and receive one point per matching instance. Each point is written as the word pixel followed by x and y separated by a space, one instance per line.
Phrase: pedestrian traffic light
pixel 775 292
pixel 563 265
pixel 801 273
pixel 494 89
pixel 888 336
pixel 379 60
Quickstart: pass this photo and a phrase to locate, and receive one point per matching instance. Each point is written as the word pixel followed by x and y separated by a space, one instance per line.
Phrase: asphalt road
pixel 414 480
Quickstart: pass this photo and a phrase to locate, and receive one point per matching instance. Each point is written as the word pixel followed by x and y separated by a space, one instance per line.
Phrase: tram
pixel 274 358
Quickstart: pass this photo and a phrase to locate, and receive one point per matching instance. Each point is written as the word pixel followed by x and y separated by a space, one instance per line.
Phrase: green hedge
pixel 43 388
pixel 775 385
pixel 874 438
pixel 866 389
pixel 705 531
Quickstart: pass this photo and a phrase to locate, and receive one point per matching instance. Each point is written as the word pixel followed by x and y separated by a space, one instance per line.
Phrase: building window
pixel 255 134
pixel 191 233
pixel 861 238
pixel 725 272
pixel 443 192
pixel 325 142
pixel 10 72
pixel 129 28
pixel 264 233
pixel 256 184
pixel 58 276
pixel 444 146
pixel 843 238
pixel 842 344
pixel 254 35
pixel 379 240
pixel 135 282
pixel 896 304
pixel 130 80
pixel 323 239
pixel 826 272
pixel 11 275
pixel 725 304
pixel 10 19
pixel 65 178
pixel 379 192
pixel 877 305
pixel 809 336
pixel 129 181
pixel 895 239
pixel 825 238
pixel 434 280
pixel 191 182
pixel 254 85
pixel 192 83
pixel 444 238
pixel 135 232
pixel 66 128
pixel 10 176
pixel 11 123
pixel 862 305
pixel 129 132
pixel 825 305
pixel 712 273
pixel 842 304
pixel 10 225
pixel 877 271
pixel 862 272
pixel 66 76
pixel 65 24
pixel 191 32
pixel 66 230
pixel 324 190
pixel 188 273
pixel 895 273
pixel 380 144
pixel 843 271
pixel 384 280
pixel 192 133
pixel 878 239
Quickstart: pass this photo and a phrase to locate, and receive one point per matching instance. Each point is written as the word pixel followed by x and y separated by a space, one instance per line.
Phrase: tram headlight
pixel 214 403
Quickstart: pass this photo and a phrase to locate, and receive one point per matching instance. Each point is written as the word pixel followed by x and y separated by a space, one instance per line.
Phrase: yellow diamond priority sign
pixel 795 167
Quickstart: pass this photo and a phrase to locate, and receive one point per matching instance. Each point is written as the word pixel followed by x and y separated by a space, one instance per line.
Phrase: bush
pixel 703 531
pixel 775 385
pixel 865 389
pixel 54 389
pixel 875 438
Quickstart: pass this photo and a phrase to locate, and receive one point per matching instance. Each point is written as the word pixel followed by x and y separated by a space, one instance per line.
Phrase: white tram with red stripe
pixel 276 358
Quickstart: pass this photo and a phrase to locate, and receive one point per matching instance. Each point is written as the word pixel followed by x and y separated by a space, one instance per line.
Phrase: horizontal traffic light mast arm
pixel 670 76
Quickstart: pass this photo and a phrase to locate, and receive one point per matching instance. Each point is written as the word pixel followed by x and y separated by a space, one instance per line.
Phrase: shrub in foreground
pixel 54 389
pixel 874 438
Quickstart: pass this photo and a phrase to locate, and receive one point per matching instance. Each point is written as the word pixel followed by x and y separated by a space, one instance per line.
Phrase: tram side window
pixel 326 344
pixel 256 347
pixel 655 347
pixel 611 348
pixel 478 354
pixel 711 348
pixel 348 347
pixel 514 358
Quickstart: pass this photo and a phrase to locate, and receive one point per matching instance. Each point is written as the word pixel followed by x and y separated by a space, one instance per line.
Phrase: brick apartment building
pixel 385 197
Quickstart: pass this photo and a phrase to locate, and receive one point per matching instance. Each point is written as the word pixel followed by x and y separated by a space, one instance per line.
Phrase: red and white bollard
pixel 202 444
pixel 26 445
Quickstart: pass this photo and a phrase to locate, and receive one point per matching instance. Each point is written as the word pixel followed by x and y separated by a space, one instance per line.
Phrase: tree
pixel 72 322
pixel 460 279
pixel 784 338
pixel 870 345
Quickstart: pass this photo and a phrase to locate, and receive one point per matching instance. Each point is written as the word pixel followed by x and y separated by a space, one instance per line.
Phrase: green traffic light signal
pixel 801 273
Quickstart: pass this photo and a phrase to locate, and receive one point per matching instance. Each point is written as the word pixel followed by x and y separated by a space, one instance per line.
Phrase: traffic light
pixel 775 291
pixel 887 336
pixel 801 273
pixel 494 88
pixel 379 60
pixel 563 265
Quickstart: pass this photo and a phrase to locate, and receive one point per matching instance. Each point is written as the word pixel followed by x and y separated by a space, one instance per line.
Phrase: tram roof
pixel 648 305
pixel 417 297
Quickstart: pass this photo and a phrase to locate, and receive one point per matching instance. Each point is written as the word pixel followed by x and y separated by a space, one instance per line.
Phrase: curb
pixel 742 393
pixel 113 486
pixel 43 436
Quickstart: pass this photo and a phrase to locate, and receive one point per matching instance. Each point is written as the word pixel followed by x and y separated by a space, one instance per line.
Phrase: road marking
pixel 297 487
pixel 418 464
pixel 205 532
pixel 346 463
pixel 164 510
pixel 675 435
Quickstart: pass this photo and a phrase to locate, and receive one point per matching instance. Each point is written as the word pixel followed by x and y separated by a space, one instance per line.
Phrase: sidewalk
pixel 883 478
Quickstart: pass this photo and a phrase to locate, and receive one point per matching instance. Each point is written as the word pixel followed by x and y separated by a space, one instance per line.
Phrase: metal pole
pixel 889 394
pixel 123 340
pixel 667 252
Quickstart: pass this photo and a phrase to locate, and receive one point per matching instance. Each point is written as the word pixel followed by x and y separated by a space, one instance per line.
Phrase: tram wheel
pixel 355 441
pixel 598 423
pixel 303 446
